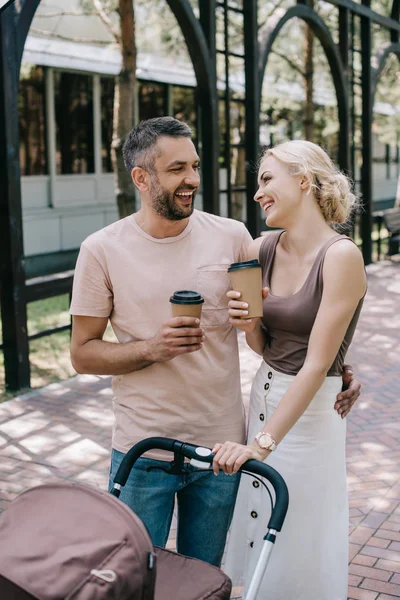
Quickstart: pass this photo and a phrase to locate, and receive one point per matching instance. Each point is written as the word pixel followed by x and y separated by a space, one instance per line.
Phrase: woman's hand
pixel 238 311
pixel 231 456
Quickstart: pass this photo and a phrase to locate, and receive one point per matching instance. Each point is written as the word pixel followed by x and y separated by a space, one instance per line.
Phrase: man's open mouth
pixel 185 197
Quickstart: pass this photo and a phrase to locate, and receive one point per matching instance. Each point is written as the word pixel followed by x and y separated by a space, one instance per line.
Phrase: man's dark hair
pixel 139 147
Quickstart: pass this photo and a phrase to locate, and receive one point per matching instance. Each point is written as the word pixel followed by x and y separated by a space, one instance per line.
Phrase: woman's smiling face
pixel 279 193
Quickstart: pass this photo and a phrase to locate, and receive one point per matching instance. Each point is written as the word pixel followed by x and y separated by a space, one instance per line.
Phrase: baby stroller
pixel 71 542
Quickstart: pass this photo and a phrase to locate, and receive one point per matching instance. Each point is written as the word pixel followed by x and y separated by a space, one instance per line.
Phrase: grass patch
pixel 49 356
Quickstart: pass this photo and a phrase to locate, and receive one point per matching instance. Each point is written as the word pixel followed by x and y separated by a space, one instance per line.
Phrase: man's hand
pixel 350 392
pixel 179 335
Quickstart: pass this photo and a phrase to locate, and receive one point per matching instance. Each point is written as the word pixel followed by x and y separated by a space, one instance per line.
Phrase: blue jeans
pixel 205 505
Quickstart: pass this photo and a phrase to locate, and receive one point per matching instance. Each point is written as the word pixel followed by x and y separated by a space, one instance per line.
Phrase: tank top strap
pixel 268 246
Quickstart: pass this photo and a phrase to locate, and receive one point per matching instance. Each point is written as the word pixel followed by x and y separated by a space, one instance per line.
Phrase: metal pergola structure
pixel 200 37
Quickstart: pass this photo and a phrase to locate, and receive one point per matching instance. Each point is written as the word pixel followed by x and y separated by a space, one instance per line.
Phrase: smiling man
pixel 172 377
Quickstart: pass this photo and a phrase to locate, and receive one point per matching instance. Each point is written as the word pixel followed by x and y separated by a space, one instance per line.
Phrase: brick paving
pixel 63 432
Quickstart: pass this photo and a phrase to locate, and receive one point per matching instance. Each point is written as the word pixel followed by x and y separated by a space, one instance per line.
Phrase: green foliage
pixel 49 356
pixel 158 32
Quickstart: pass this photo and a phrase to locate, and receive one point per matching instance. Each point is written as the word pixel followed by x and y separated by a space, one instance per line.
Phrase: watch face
pixel 265 441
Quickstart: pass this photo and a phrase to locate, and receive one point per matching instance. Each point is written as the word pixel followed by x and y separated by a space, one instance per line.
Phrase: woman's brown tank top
pixel 289 319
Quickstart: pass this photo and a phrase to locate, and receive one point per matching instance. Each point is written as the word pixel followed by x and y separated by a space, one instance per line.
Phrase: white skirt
pixel 310 557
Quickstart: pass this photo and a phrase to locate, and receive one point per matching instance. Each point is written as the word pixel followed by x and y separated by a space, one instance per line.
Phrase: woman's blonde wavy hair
pixel 331 187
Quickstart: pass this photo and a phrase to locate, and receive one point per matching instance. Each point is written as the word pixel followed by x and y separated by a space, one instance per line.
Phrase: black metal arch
pixel 380 60
pixel 204 66
pixel 335 63
pixel 395 15
pixel 24 22
pixel 195 40
pixel 14 28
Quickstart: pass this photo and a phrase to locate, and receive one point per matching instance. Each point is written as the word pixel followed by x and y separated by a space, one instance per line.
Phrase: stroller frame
pixel 199 455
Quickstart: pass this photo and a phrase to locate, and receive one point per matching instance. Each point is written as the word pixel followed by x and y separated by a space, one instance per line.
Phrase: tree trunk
pixel 124 100
pixel 308 119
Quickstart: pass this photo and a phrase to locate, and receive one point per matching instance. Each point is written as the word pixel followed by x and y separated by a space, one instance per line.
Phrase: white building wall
pixel 59 211
pixel 85 203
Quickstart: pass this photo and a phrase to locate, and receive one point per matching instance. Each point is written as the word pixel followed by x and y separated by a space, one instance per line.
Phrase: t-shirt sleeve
pixel 245 242
pixel 91 292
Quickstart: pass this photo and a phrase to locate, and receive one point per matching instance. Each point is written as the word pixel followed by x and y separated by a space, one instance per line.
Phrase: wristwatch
pixel 266 441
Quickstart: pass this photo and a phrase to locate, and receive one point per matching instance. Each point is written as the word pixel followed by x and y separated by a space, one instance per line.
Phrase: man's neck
pixel 159 227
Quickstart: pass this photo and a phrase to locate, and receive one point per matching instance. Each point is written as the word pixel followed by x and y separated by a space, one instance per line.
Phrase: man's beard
pixel 164 203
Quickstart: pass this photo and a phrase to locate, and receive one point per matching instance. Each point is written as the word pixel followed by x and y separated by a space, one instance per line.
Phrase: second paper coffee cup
pixel 246 278
pixel 186 303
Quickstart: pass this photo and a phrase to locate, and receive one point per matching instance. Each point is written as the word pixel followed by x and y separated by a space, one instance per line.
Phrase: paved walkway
pixel 63 431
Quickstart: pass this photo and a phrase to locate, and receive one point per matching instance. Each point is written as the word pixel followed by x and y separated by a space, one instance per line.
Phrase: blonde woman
pixel 316 282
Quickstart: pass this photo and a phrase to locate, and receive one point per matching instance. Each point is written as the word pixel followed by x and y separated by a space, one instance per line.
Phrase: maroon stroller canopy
pixel 71 542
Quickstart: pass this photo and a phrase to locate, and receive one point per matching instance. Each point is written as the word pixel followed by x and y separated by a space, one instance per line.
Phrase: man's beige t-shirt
pixel 127 275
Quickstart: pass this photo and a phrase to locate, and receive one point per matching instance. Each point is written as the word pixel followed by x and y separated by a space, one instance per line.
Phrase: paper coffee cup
pixel 186 303
pixel 246 278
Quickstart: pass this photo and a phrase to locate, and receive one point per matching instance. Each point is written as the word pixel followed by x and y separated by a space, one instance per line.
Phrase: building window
pixel 152 100
pixel 107 111
pixel 184 107
pixel 32 123
pixel 74 123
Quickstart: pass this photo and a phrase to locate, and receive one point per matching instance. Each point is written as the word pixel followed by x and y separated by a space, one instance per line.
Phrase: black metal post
pixel 387 160
pixel 366 129
pixel 344 139
pixel 344 154
pixel 352 98
pixel 395 16
pixel 12 282
pixel 209 114
pixel 227 112
pixel 252 106
pixel 379 224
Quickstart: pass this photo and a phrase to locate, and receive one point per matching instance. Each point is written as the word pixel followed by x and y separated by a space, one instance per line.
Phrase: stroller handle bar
pixel 202 454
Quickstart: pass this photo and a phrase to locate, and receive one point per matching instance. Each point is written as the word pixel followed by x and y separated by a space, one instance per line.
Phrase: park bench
pixel 391 220
pixel 48 286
